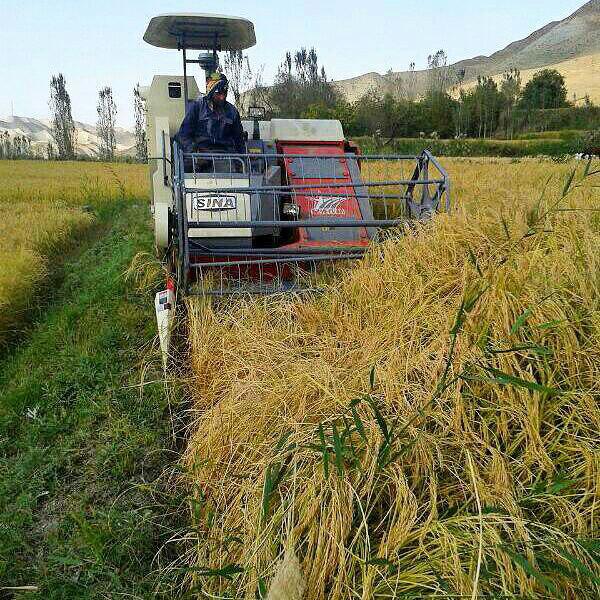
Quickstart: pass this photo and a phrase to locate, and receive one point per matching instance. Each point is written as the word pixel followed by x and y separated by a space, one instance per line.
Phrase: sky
pixel 95 44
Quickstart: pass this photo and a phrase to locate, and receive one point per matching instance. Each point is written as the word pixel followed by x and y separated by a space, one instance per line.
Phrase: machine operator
pixel 211 124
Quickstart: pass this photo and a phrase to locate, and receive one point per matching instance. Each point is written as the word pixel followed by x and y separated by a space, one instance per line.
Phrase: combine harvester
pixel 263 221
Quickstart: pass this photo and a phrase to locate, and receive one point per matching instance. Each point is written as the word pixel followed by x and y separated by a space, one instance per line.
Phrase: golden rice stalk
pixel 40 214
pixel 29 233
pixel 427 426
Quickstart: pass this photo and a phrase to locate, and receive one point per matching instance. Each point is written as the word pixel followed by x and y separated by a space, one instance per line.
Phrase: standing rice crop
pixel 426 427
pixel 41 213
pixel 29 234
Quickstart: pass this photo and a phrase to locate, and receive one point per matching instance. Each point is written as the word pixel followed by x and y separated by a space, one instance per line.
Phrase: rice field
pixel 72 182
pixel 428 426
pixel 42 210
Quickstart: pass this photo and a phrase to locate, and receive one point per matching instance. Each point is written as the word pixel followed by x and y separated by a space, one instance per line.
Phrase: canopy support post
pixel 185 82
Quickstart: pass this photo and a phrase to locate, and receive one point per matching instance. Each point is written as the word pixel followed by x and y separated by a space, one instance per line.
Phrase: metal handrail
pixel 425 156
pixel 310 186
pixel 325 180
pixel 312 223
pixel 215 158
pixel 317 156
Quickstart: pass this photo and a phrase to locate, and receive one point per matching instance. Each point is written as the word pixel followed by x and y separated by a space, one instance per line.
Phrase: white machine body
pixel 164 113
pixel 204 205
pixel 165 110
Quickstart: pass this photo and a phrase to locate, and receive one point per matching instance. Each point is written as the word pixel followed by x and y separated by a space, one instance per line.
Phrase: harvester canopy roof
pixel 199 31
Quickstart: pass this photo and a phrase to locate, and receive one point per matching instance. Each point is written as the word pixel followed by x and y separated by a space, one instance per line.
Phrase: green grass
pixel 82 443
pixel 564 134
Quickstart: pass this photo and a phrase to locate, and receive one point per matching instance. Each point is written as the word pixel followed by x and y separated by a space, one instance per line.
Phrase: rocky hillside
pixel 38 131
pixel 555 45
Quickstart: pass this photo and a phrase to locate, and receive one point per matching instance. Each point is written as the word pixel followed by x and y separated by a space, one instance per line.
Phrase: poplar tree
pixel 237 68
pixel 63 127
pixel 139 113
pixel 105 127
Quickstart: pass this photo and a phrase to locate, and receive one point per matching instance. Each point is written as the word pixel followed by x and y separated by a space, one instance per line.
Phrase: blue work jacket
pixel 206 130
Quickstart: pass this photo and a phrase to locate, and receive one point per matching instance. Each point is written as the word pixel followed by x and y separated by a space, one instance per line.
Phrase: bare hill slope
pixel 554 45
pixel 88 143
pixel 582 76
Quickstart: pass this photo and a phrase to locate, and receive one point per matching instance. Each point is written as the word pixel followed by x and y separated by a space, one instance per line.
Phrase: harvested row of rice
pixel 427 426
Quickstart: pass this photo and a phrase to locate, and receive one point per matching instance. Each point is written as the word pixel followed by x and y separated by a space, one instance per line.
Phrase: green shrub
pixel 555 119
pixel 472 147
pixel 591 143
pixel 564 134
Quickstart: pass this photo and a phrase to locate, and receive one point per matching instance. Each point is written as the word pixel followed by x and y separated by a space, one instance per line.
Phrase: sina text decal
pixel 213 202
pixel 328 206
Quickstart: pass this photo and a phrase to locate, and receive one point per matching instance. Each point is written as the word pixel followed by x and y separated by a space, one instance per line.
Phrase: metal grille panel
pixel 340 203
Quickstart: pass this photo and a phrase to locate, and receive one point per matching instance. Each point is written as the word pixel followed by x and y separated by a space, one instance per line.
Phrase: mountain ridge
pixel 556 42
pixel 571 45
pixel 39 132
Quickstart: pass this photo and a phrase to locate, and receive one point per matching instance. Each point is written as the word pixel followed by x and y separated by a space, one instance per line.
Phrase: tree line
pixel 64 132
pixel 63 145
pixel 15 147
pixel 445 106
